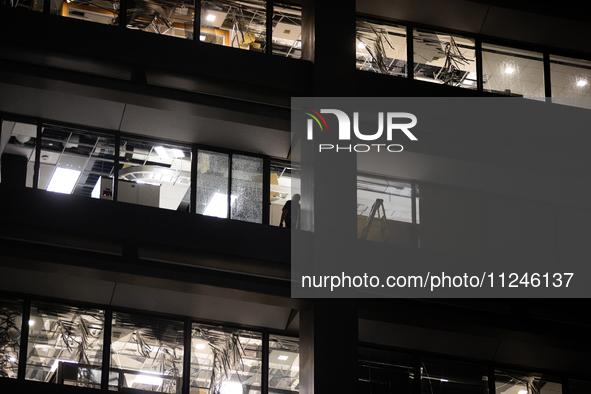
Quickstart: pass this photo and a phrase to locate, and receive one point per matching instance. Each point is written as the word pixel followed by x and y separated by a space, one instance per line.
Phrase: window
pixel 513 72
pixel 525 382
pixel 381 48
pixel 65 344
pixel 173 19
pixel 218 173
pixel 11 317
pixel 383 371
pixel 444 376
pixel 17 149
pixel 146 353
pixel 99 11
pixel 287 30
pixel 444 58
pixel 237 24
pixel 284 364
pixel 385 210
pixel 571 81
pixel 155 174
pixel 31 5
pixel 75 161
pixel 285 182
pixel 225 360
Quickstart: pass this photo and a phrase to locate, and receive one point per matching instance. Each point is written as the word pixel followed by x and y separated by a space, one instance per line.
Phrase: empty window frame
pixel 65 344
pixel 385 371
pixel 444 58
pixel 236 24
pixel 284 364
pixel 174 19
pixel 11 317
pixel 513 72
pixel 230 185
pixel 287 30
pixel 154 173
pixel 386 210
pixel 146 353
pixel 381 48
pixel 225 360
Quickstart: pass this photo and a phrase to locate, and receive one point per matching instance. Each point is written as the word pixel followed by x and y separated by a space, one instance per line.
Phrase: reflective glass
pixel 237 24
pixel 17 142
pixel 381 48
pixel 225 360
pixel 11 317
pixel 154 174
pixel 447 377
pixel 509 382
pixel 444 58
pixel 513 72
pixel 76 162
pixel 571 81
pixel 60 335
pixel 287 30
pixel 173 19
pixel 284 364
pixel 146 353
pixel 99 11
pixel 212 184
pixel 247 188
pixel 382 371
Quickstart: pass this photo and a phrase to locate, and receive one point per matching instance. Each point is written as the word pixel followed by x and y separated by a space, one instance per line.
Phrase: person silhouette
pixel 291 212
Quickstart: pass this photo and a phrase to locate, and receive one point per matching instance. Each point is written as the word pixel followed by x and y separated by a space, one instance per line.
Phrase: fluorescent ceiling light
pixel 200 346
pixel 31 323
pixel 63 180
pixel 218 206
pixel 57 361
pixel 581 82
pixel 509 70
pixel 210 18
pixel 177 153
pixel 148 379
pixel 231 388
pixel 282 357
pixel 444 380
pixel 161 152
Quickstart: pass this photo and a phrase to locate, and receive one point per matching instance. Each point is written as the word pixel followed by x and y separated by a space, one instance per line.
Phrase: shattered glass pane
pixel 381 48
pixel 284 364
pixel 247 187
pixel 11 317
pixel 212 184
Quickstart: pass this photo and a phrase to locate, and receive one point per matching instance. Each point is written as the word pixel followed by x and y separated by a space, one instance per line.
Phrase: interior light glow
pixel 231 388
pixel 57 361
pixel 210 18
pixel 444 380
pixel 148 379
pixel 31 323
pixel 218 205
pixel 11 359
pixel 161 152
pixel 509 70
pixel 201 37
pixel 361 45
pixel 177 153
pixel 200 346
pixel 581 82
pixel 522 392
pixel 282 357
pixel 63 180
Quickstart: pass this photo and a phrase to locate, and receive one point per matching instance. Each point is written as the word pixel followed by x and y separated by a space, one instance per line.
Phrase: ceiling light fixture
pixel 11 359
pixel 218 206
pixel 31 323
pixel 509 70
pixel 231 388
pixel 522 392
pixel 210 18
pixel 63 180
pixel 201 37
pixel 361 45
pixel 148 379
pixel 444 380
pixel 581 82
pixel 161 152
pixel 282 357
pixel 177 153
pixel 200 346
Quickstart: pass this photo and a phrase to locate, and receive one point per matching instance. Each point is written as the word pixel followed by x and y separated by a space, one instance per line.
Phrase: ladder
pixel 378 207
